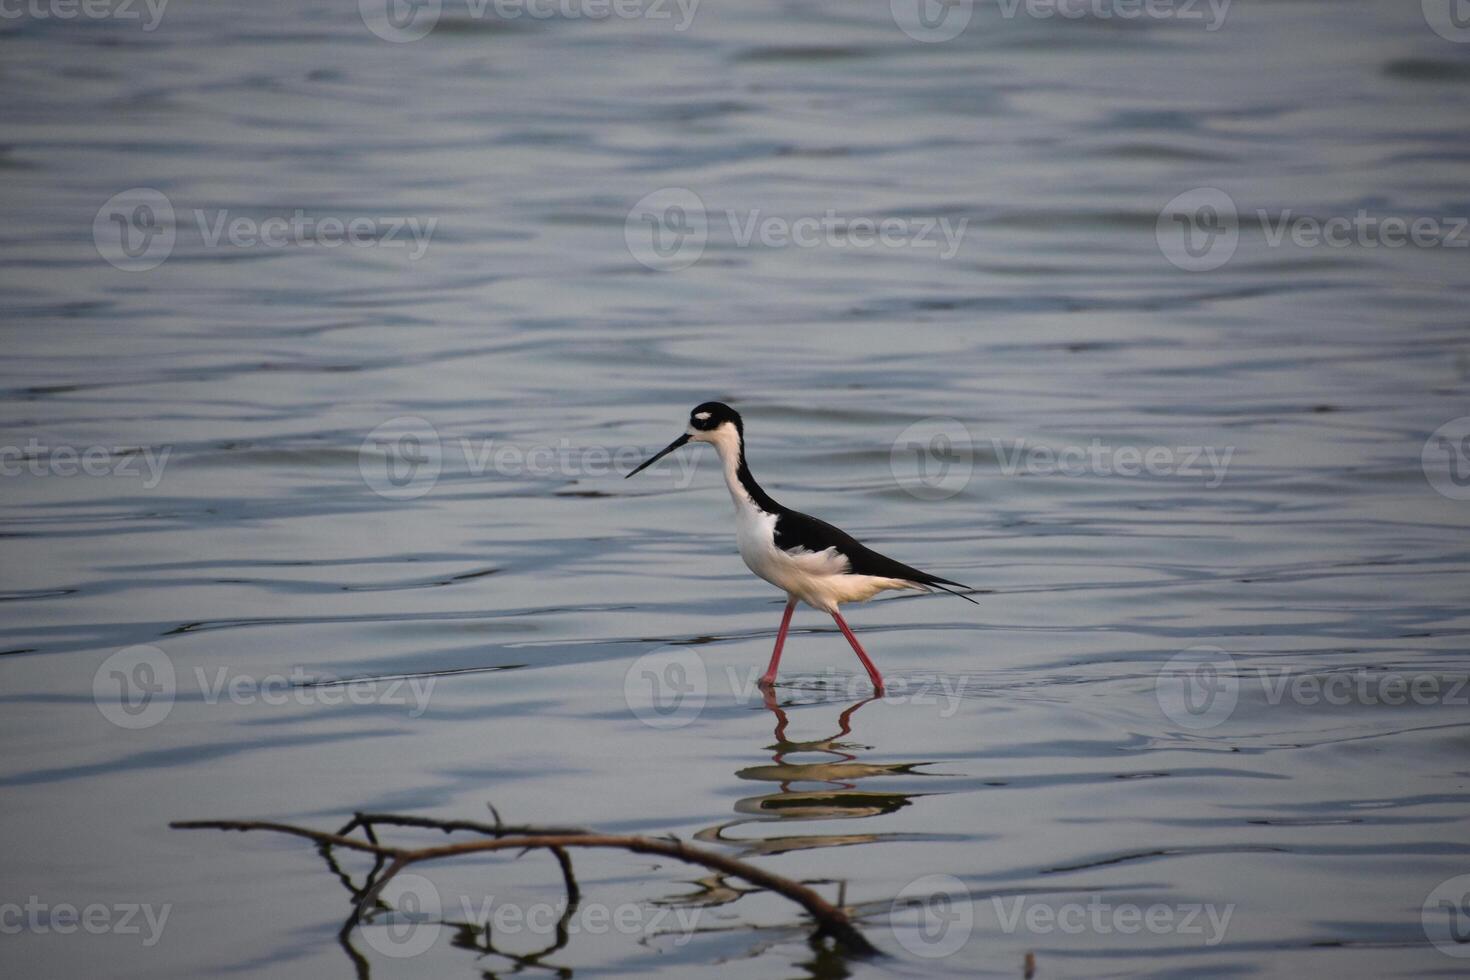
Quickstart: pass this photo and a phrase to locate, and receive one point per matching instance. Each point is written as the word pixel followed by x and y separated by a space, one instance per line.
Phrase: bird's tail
pixel 943 584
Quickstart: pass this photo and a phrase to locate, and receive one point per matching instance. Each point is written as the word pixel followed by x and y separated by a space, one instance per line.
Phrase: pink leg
pixel 857 648
pixel 769 677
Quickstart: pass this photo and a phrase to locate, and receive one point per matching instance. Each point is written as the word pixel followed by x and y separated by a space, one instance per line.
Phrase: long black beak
pixel 661 454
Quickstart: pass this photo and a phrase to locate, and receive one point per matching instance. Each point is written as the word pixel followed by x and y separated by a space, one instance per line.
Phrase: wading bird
pixel 810 560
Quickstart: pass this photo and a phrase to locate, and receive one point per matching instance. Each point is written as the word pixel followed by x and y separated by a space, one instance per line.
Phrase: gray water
pixel 1175 697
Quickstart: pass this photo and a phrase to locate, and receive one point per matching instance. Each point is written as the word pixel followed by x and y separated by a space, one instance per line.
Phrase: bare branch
pixel 498 829
pixel 831 920
pixel 321 837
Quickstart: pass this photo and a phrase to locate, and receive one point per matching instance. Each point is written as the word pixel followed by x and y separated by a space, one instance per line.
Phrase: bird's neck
pixel 743 488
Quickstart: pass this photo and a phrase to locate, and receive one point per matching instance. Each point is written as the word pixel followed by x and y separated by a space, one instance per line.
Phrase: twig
pixel 574 893
pixel 831 920
pixel 367 821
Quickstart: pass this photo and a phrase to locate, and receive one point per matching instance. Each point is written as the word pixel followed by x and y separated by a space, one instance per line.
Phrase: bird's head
pixel 706 422
pixel 712 422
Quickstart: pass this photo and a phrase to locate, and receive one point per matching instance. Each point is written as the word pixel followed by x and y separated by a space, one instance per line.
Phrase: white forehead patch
pixel 701 415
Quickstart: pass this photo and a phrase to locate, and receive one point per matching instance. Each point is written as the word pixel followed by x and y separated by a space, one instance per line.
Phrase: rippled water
pixel 245 521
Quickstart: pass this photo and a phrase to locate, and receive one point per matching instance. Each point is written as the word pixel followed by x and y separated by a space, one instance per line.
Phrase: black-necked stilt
pixel 810 560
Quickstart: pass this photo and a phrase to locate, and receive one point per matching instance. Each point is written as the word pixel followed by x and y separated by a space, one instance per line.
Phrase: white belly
pixel 818 578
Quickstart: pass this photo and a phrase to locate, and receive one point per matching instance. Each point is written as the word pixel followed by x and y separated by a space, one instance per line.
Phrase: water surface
pixel 499 613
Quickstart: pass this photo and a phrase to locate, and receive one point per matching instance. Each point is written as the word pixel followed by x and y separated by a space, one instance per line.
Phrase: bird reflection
pixel 816 779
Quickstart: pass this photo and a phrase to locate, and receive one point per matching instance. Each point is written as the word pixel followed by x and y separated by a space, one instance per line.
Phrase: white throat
pixel 726 440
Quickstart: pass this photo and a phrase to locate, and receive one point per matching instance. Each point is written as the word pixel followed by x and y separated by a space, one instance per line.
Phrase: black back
pixel 797 530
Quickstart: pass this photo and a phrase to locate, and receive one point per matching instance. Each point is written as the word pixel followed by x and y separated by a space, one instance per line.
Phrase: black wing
pixel 797 530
